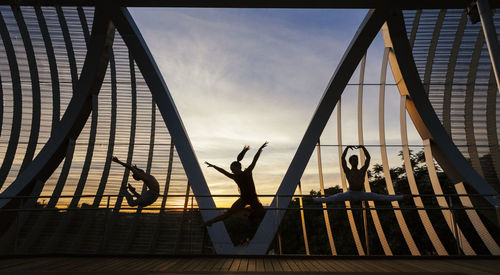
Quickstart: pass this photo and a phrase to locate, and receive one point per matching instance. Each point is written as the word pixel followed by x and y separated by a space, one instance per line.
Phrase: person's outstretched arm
pixel 229 175
pixel 256 157
pixel 126 165
pixel 344 162
pixel 368 158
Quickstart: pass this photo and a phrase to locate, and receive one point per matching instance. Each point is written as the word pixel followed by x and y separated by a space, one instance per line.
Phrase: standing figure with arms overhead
pixel 356 178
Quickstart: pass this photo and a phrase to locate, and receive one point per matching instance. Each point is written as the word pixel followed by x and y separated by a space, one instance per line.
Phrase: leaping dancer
pixel 150 196
pixel 355 178
pixel 245 183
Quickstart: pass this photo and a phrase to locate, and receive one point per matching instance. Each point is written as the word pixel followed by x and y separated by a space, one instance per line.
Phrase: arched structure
pixel 51 58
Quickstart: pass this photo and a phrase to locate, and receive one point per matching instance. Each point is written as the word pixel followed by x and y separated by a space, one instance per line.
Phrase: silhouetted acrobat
pixel 245 183
pixel 148 197
pixel 356 178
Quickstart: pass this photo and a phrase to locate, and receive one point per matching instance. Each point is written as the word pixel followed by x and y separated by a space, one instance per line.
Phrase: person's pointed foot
pixel 407 198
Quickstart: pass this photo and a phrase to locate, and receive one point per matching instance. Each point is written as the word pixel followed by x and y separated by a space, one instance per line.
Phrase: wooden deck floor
pixel 238 265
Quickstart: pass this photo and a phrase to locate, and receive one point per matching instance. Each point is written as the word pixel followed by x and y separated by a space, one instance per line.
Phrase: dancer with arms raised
pixel 246 185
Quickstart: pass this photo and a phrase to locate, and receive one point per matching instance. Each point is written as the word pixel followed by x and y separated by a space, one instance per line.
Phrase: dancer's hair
pixel 134 175
pixel 241 155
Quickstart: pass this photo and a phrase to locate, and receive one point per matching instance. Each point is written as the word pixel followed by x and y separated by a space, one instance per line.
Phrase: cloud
pixel 246 76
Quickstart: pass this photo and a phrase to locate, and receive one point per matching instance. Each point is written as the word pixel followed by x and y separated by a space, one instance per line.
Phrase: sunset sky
pixel 248 76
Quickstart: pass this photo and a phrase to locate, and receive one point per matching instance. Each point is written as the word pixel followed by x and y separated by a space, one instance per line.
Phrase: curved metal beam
pixel 425 119
pixel 325 211
pixel 54 74
pixel 76 114
pixel 18 100
pixel 428 226
pixel 450 72
pixel 385 161
pixel 151 73
pixel 486 15
pixel 35 88
pixel 357 48
pixel 371 204
pixel 432 49
pixel 469 104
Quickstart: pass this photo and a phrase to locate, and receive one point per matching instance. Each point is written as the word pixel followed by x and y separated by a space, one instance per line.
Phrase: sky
pixel 246 76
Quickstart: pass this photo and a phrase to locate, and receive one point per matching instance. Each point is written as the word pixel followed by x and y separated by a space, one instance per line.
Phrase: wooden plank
pixel 243 265
pixel 276 265
pixel 302 265
pixel 227 264
pixel 260 265
pixel 234 266
pixel 167 264
pixel 251 265
pixel 331 265
pixel 218 264
pixel 268 266
pixel 284 265
pixel 320 263
pixel 293 265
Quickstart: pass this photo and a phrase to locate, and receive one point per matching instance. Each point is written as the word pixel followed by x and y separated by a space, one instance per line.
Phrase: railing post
pixel 365 227
pixel 279 235
pixel 455 228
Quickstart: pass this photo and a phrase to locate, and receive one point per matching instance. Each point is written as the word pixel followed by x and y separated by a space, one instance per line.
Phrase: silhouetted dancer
pixel 245 183
pixel 356 178
pixel 148 197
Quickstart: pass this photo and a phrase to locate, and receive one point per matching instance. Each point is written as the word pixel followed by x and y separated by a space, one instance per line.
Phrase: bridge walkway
pixel 250 265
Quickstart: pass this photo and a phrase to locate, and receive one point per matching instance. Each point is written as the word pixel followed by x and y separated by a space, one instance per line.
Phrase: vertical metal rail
pixel 350 217
pixel 490 34
pixel 371 204
pixel 303 221
pixel 325 212
pixel 35 88
pixel 180 232
pixel 18 101
pixel 385 162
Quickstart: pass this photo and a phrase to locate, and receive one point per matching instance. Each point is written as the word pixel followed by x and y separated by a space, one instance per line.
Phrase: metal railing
pixel 364 208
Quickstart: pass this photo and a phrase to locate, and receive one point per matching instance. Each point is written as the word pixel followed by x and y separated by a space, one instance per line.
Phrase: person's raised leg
pixel 129 198
pixel 238 205
pixel 344 196
pixel 369 196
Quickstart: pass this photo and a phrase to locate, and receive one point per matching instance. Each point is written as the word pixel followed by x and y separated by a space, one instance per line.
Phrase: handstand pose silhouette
pixel 149 196
pixel 356 179
pixel 245 183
